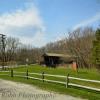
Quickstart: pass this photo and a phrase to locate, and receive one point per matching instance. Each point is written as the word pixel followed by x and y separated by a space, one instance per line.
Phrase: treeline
pixel 78 43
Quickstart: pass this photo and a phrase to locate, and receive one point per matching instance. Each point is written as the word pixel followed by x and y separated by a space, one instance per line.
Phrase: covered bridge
pixel 53 59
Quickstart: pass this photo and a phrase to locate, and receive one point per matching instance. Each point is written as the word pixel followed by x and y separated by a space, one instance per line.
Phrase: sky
pixel 38 22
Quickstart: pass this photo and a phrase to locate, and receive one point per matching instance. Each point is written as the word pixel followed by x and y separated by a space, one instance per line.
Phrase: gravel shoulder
pixel 18 91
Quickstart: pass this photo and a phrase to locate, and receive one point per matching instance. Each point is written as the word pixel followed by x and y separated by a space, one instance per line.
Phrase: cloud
pixel 24 23
pixel 38 40
pixel 87 22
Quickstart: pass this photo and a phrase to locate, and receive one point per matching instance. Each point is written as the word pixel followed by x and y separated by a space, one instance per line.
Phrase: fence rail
pixel 4 71
pixel 87 80
pixel 67 78
pixel 86 87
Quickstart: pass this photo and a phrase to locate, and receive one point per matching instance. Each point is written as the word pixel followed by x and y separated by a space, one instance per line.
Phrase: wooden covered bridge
pixel 54 59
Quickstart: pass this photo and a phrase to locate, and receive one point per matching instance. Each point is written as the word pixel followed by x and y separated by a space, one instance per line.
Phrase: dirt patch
pixel 18 91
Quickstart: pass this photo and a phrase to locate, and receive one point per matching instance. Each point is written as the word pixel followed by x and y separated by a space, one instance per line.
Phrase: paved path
pixel 18 91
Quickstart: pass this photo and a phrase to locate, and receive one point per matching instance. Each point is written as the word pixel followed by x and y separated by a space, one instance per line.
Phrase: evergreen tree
pixel 96 49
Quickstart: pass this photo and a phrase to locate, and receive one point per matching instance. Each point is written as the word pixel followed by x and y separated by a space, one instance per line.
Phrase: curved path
pixel 18 91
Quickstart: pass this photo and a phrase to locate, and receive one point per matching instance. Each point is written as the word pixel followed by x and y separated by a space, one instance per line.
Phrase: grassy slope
pixel 83 73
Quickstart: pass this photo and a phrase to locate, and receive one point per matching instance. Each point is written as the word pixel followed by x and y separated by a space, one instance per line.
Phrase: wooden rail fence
pixel 67 78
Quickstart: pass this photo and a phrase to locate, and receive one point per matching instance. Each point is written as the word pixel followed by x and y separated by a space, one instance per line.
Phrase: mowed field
pixel 92 74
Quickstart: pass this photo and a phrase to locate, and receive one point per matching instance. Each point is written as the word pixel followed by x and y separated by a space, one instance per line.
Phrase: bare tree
pixel 11 49
pixel 80 44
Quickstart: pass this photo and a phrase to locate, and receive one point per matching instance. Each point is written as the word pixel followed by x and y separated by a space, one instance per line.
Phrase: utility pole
pixel 2 49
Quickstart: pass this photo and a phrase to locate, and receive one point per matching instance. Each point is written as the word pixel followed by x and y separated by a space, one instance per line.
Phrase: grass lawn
pixel 79 92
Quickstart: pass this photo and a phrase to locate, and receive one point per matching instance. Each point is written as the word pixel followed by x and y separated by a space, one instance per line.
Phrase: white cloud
pixel 38 40
pixel 87 22
pixel 60 37
pixel 13 23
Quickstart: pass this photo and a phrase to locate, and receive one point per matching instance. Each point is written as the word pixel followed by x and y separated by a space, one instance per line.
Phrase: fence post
pixel 12 73
pixel 43 76
pixel 27 73
pixel 67 81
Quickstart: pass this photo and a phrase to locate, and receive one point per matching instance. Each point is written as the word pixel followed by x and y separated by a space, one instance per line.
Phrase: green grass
pixel 79 92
